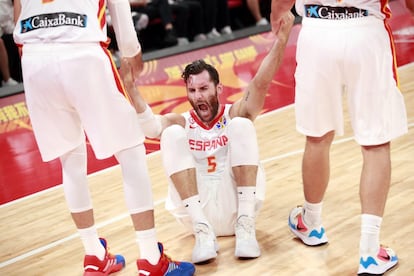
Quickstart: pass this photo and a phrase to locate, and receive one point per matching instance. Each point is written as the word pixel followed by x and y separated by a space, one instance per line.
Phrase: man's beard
pixel 212 104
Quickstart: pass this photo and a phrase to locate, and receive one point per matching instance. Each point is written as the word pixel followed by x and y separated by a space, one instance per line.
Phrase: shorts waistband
pixel 52 47
pixel 334 13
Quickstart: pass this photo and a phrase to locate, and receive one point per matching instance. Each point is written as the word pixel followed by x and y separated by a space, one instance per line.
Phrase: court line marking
pixel 156 203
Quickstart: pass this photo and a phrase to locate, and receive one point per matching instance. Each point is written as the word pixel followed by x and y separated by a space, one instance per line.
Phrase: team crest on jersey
pixel 51 20
pixel 221 123
pixel 192 123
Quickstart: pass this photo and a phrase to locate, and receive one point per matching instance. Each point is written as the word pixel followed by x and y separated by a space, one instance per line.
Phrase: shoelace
pixel 172 265
pixel 108 253
pixel 202 231
pixel 246 225
pixel 202 235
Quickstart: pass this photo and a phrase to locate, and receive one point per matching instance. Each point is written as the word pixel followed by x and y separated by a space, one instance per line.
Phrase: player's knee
pixel 173 141
pixel 173 132
pixel 240 125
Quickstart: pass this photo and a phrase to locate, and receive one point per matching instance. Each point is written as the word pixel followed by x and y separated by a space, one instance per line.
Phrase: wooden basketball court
pixel 38 236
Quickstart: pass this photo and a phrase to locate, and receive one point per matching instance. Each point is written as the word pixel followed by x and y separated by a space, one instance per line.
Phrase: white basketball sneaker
pixel 246 242
pixel 206 245
pixel 310 235
pixel 377 263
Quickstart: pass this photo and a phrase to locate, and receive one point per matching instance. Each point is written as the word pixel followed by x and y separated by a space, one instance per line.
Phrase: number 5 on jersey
pixel 211 161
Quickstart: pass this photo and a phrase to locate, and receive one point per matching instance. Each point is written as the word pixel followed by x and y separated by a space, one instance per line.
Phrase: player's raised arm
pixel 17 6
pixel 136 99
pixel 126 36
pixel 253 99
pixel 151 124
pixel 279 8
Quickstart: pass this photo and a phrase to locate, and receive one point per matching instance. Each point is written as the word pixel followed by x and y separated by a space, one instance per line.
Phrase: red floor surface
pixel 22 171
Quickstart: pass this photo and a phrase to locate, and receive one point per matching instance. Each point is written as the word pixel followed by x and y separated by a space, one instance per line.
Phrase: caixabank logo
pixel 51 20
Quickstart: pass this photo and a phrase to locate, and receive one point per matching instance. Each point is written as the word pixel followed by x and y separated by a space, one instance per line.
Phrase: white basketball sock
pixel 247 201
pixel 148 245
pixel 370 231
pixel 194 209
pixel 313 213
pixel 91 242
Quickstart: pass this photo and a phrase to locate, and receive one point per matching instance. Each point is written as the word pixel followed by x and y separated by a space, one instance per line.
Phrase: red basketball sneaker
pixel 165 267
pixel 111 263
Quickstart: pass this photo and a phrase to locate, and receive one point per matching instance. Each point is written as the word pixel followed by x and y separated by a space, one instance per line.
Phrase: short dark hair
pixel 198 66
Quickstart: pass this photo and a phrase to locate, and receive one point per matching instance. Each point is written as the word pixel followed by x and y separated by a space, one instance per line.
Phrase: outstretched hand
pixel 283 26
pixel 135 65
pixel 279 8
pixel 126 74
pixel 128 77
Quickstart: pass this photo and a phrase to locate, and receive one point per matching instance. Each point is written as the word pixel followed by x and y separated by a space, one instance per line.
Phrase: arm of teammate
pixel 17 7
pixel 251 104
pixel 279 9
pixel 151 124
pixel 126 36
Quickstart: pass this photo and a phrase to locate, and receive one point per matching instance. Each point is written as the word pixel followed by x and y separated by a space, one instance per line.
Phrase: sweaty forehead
pixel 198 80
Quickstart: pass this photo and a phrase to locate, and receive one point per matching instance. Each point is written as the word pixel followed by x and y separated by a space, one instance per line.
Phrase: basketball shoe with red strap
pixel 165 266
pixel 93 266
pixel 310 235
pixel 377 263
